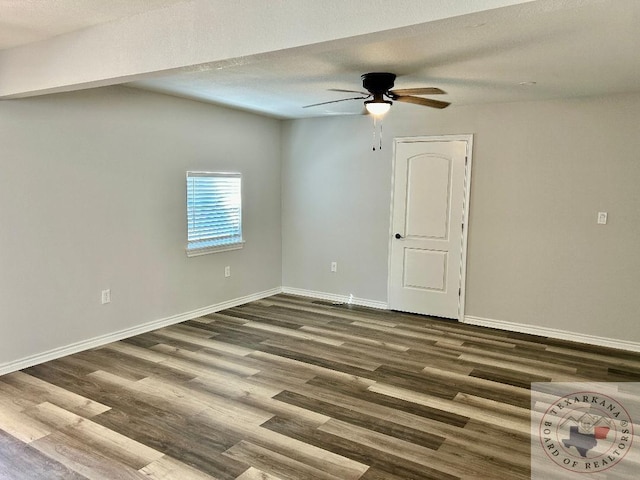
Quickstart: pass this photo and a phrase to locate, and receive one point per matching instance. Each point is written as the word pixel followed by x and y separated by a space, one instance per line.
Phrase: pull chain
pixel 375 124
pixel 374 133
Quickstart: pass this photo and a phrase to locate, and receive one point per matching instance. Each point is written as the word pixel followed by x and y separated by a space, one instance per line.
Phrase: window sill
pixel 196 252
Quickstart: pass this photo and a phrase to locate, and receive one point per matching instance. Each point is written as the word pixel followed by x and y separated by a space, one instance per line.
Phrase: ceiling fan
pixel 378 86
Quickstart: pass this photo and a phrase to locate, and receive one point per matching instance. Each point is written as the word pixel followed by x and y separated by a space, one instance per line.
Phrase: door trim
pixel 468 138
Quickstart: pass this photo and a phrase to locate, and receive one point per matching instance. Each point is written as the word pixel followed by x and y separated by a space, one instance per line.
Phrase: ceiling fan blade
pixel 347 91
pixel 418 91
pixel 427 102
pixel 334 101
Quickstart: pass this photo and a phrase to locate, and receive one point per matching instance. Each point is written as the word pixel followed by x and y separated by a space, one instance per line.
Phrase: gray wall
pixel 541 172
pixel 92 196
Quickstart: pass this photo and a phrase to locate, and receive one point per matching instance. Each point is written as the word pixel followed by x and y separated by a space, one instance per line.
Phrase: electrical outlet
pixel 334 266
pixel 602 218
pixel 227 271
pixel 106 296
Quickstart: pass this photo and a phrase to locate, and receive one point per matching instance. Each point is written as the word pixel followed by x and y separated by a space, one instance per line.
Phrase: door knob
pixel 398 236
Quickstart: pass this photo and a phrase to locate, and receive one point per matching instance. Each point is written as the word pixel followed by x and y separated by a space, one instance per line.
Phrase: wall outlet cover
pixel 602 218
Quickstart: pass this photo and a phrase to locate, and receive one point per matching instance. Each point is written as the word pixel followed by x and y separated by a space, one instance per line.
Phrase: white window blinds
pixel 214 211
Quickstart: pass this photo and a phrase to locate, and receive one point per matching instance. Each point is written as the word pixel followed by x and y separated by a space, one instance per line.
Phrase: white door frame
pixel 468 138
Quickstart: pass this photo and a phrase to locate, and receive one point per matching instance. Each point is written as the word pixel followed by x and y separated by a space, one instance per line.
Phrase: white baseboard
pixel 164 322
pixel 130 332
pixel 553 333
pixel 363 302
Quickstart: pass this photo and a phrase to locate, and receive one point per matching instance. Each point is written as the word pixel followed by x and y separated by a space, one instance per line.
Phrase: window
pixel 214 212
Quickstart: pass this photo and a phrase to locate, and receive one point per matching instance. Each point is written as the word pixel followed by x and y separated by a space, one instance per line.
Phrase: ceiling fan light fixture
pixel 377 107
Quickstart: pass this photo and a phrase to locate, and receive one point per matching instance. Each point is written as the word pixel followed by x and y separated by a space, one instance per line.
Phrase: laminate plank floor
pixel 291 388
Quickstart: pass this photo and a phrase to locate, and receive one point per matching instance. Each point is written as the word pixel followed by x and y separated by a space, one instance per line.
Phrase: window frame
pixel 214 248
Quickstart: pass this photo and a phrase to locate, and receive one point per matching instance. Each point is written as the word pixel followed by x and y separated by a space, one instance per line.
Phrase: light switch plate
pixel 602 218
pixel 106 296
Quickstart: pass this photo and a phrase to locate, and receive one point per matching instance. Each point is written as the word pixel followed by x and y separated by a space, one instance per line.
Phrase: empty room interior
pixel 219 260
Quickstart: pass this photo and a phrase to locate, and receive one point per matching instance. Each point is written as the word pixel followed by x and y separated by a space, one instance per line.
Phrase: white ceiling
pixel 28 21
pixel 569 48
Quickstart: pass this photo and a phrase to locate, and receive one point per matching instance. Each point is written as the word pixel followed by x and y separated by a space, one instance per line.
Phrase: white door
pixel 428 244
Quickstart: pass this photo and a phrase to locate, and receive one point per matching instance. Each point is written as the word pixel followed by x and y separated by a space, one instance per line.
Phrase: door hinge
pixel 466 160
pixel 460 291
pixel 463 226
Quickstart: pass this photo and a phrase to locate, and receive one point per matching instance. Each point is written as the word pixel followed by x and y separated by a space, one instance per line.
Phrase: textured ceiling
pixel 591 49
pixel 27 21
pixel 567 48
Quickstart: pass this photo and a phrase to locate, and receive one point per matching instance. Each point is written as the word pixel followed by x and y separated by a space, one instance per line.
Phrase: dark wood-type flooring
pixel 291 388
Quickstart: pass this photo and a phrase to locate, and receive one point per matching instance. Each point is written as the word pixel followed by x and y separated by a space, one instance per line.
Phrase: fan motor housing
pixel 378 82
